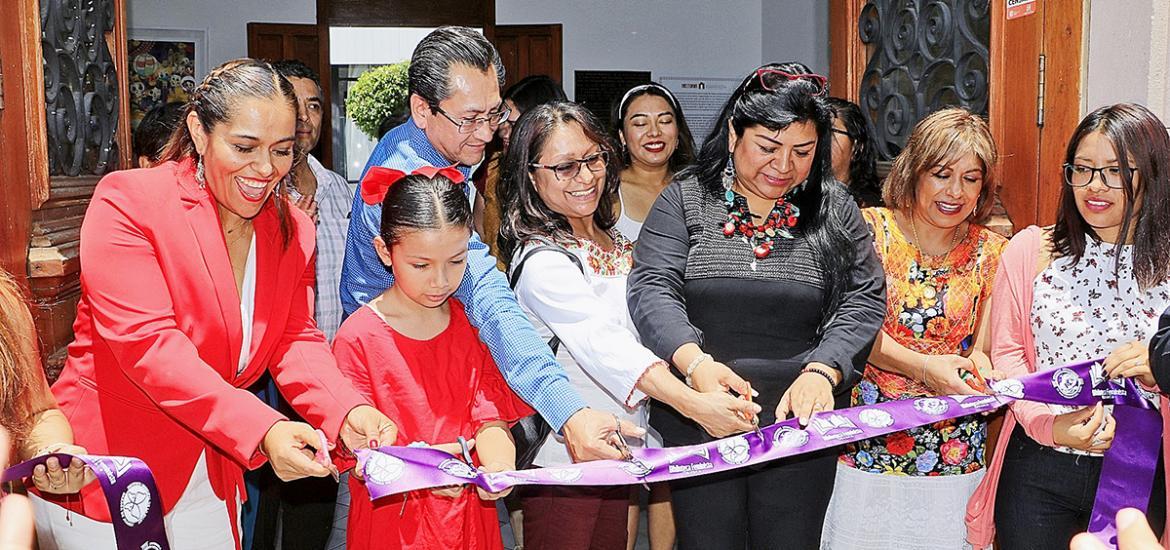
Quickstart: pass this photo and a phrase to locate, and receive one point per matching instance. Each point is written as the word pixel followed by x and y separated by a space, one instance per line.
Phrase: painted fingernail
pixel 374 444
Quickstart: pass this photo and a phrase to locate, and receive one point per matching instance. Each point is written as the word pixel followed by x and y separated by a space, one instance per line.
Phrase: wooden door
pixel 24 153
pixel 1031 80
pixel 275 41
pixel 64 123
pixel 1036 104
pixel 528 50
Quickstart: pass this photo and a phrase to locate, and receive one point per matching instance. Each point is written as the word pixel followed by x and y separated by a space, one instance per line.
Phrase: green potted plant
pixel 378 94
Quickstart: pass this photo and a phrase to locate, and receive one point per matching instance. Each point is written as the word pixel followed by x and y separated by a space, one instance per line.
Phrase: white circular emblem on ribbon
pixel 876 418
pixel 931 405
pixel 734 450
pixel 788 437
pixel 457 468
pixel 383 469
pixel 134 504
pixel 1067 383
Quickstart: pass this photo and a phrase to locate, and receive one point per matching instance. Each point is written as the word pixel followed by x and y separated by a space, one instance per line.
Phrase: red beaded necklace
pixel 761 237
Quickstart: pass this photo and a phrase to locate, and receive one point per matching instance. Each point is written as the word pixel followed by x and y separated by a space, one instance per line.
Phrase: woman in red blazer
pixel 175 261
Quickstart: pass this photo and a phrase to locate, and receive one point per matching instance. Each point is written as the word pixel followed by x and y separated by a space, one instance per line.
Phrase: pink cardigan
pixel 1014 353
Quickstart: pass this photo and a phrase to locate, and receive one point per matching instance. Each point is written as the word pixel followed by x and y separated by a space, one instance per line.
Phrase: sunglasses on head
pixel 774 79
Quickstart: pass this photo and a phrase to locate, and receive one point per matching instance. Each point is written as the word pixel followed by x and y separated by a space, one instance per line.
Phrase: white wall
pixel 225 21
pixel 1128 55
pixel 796 30
pixel 666 37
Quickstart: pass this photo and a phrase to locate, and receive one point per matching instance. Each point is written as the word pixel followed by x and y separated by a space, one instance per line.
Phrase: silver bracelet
pixel 698 360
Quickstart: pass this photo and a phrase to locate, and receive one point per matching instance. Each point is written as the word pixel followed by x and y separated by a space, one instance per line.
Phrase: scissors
pixel 466 451
pixel 755 418
pixel 322 456
pixel 620 443
pixel 974 379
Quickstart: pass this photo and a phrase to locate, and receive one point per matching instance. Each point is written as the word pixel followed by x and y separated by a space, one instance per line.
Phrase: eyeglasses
pixel 773 79
pixel 1079 175
pixel 471 124
pixel 569 169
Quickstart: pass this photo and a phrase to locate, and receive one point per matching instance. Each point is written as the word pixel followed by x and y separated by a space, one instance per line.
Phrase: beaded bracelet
pixel 698 360
pixel 829 377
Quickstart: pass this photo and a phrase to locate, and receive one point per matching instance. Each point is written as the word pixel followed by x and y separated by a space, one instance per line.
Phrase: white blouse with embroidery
pixel 600 349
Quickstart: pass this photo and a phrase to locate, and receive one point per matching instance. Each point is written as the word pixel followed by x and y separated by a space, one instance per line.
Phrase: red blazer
pixel 152 371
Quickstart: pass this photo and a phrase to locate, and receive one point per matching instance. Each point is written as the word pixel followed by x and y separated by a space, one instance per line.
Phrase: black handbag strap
pixel 545 245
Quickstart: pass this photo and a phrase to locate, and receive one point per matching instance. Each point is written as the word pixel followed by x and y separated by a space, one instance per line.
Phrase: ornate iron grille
pixel 81 86
pixel 923 55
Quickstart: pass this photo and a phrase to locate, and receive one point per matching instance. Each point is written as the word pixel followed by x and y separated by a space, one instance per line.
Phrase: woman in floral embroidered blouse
pixel 558 183
pixel 939 266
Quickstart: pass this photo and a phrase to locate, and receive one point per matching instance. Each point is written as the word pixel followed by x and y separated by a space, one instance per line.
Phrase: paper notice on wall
pixel 701 99
pixel 1020 8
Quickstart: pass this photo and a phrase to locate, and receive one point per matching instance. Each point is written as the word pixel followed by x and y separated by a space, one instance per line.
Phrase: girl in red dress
pixel 413 353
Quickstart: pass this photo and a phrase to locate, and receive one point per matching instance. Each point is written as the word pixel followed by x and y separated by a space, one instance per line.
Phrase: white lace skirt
pixel 877 512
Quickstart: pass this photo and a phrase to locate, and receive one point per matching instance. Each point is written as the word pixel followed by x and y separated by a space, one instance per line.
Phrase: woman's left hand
pixel 810 393
pixel 51 477
pixel 1130 360
pixel 367 428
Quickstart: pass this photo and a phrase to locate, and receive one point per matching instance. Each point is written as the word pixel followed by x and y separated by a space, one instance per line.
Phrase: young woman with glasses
pixel 569 270
pixel 756 266
pixel 1090 286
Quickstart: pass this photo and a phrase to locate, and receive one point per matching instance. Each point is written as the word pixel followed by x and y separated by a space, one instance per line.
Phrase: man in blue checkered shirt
pixel 455 107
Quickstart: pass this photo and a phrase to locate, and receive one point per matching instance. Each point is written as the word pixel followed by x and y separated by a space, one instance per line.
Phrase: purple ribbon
pixel 1127 472
pixel 135 506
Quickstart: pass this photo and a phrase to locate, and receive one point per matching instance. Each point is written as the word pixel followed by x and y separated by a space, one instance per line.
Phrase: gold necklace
pixel 922 255
pixel 228 233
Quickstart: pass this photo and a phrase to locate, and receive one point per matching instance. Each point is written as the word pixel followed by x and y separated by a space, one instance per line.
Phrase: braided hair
pixel 214 102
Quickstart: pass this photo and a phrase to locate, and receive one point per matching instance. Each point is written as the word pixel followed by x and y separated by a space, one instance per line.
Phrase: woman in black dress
pixel 755 266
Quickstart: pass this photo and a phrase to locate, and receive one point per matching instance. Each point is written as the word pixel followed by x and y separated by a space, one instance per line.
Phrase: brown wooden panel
pixel 846 52
pixel 509 48
pixel 1063 26
pixel 24 167
pixel 304 48
pixel 529 49
pixel 409 13
pixel 54 306
pixel 275 41
pixel 266 46
pixel 1012 112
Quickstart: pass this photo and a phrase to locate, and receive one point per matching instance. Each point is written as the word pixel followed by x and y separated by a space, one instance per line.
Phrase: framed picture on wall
pixel 164 65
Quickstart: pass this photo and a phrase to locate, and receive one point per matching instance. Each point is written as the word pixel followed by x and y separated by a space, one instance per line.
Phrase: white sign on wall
pixel 701 99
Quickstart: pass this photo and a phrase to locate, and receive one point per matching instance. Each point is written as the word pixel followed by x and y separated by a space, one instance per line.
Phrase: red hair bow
pixel 379 179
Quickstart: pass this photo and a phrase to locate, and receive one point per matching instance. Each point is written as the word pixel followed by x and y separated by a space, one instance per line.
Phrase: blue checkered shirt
pixel 523 357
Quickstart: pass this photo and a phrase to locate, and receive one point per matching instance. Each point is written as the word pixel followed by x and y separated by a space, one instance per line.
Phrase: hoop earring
pixel 200 177
pixel 729 174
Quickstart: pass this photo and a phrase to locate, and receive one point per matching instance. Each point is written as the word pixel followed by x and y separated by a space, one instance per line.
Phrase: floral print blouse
pixel 931 307
pixel 1083 310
